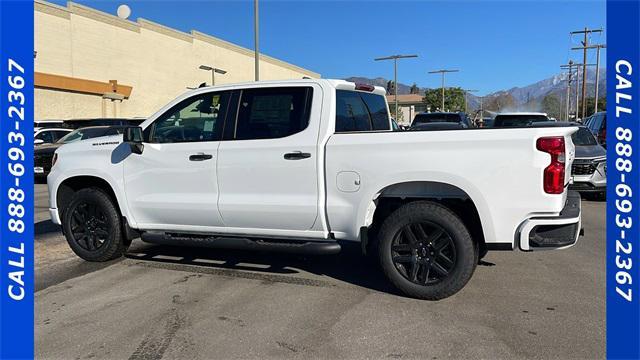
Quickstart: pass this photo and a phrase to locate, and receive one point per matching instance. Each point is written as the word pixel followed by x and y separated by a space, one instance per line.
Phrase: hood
pixel 46 148
pixel 590 151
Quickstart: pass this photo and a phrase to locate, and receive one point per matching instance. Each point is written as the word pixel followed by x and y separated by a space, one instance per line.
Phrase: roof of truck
pixel 335 83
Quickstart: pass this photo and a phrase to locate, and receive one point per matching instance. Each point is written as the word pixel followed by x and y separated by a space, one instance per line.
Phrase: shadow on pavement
pixel 348 266
pixel 45 227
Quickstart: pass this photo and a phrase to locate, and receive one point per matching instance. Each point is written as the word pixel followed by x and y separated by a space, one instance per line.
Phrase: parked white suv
pixel 305 165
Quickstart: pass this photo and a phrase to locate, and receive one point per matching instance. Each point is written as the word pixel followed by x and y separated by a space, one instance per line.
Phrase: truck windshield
pixel 583 137
pixel 81 134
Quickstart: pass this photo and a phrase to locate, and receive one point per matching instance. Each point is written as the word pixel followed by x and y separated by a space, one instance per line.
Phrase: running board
pixel 292 246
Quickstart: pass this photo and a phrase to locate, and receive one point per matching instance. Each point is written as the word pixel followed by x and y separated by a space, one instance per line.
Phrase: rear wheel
pixel 91 225
pixel 426 251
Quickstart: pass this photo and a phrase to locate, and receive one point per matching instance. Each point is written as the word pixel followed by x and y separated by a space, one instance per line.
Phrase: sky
pixel 496 45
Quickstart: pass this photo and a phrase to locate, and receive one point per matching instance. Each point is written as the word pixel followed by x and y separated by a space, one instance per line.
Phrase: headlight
pixel 54 159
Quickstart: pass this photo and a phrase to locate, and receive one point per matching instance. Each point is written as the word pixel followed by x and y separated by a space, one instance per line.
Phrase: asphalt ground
pixel 192 303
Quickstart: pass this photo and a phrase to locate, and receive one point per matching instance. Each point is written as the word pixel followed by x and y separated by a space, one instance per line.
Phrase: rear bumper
pixel 558 232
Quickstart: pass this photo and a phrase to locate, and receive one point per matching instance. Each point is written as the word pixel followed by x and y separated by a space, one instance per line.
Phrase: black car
pixel 43 154
pixel 519 119
pixel 597 123
pixel 437 126
pixel 83 123
pixel 441 117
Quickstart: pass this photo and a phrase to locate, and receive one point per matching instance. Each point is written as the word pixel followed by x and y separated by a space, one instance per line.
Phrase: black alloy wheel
pixel 424 253
pixel 92 225
pixel 89 226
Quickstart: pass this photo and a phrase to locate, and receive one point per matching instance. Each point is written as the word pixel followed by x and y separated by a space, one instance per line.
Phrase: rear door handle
pixel 296 155
pixel 200 157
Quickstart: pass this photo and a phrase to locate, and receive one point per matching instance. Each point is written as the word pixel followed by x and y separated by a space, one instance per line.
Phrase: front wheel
pixel 91 224
pixel 426 251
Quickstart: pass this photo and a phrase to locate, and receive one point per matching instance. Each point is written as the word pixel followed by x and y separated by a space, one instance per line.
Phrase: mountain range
pixel 526 97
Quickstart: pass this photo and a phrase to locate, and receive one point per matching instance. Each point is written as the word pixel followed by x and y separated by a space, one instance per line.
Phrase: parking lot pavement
pixel 201 303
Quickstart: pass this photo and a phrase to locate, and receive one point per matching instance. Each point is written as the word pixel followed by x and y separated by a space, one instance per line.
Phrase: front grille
pixel 582 169
pixel 43 161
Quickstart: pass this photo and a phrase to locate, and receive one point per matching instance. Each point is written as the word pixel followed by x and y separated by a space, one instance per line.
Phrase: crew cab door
pixel 172 185
pixel 267 165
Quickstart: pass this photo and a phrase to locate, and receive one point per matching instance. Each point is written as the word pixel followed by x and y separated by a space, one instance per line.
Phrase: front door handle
pixel 200 157
pixel 296 155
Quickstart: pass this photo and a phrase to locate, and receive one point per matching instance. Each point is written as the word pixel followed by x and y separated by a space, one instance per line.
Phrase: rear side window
pixel 358 111
pixel 596 123
pixel 269 113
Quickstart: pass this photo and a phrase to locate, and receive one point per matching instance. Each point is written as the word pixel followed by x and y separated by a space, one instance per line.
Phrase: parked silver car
pixel 590 165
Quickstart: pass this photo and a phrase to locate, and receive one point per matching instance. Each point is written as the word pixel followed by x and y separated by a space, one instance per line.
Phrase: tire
pixel 91 223
pixel 431 239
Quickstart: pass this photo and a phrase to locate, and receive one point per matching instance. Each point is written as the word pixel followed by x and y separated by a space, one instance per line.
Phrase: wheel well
pixel 69 186
pixel 454 198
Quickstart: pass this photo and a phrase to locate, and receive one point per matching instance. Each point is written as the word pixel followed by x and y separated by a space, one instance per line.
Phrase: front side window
pixel 269 113
pixel 45 136
pixel 199 118
pixel 359 111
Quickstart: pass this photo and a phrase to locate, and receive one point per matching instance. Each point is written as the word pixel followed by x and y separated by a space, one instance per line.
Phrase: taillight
pixel 553 178
pixel 364 87
pixel 602 137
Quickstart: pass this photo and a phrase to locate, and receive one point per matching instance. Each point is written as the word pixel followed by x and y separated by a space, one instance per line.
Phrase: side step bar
pixel 292 246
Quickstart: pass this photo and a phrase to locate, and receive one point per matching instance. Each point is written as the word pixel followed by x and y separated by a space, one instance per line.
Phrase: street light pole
pixel 256 35
pixel 213 70
pixel 466 92
pixel 443 71
pixel 395 75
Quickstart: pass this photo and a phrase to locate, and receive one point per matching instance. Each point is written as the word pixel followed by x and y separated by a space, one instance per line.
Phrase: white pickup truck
pixel 308 166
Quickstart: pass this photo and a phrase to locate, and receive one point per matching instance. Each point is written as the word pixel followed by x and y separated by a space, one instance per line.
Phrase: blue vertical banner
pixel 16 180
pixel 623 180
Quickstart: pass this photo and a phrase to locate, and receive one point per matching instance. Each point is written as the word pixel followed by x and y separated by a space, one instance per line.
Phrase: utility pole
pixel 466 92
pixel 597 47
pixel 255 35
pixel 570 67
pixel 584 47
pixel 395 75
pixel 577 86
pixel 442 71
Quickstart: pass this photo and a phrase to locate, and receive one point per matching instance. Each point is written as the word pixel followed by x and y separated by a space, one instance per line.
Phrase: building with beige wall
pixel 92 64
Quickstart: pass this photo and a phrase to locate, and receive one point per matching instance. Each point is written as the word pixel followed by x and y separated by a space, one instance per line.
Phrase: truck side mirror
pixel 132 135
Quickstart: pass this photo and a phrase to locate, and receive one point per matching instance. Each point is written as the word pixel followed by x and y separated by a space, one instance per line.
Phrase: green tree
pixel 392 109
pixel 453 99
pixel 390 87
pixel 551 105
pixel 602 105
pixel 500 102
pixel 414 89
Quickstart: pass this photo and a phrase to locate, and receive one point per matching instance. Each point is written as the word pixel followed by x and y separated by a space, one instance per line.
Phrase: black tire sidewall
pixel 113 245
pixel 466 249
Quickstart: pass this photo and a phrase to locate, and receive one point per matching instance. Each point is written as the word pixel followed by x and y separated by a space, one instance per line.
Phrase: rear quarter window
pixel 359 111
